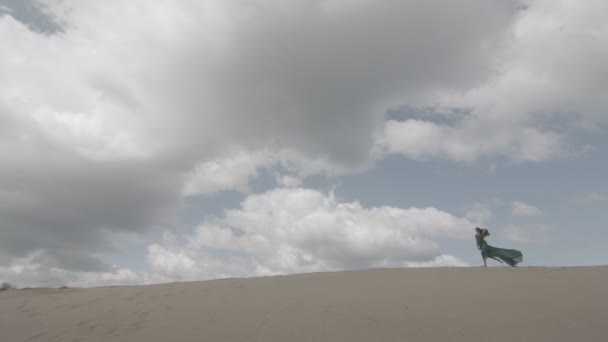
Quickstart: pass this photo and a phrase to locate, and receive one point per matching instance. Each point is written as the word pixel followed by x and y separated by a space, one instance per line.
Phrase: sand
pixel 434 304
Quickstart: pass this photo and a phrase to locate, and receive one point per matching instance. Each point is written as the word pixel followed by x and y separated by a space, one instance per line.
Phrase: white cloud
pixel 479 213
pixel 140 102
pixel 237 73
pixel 539 234
pixel 171 264
pixel 521 209
pixel 289 181
pixel 31 272
pixel 117 277
pixel 469 140
pixel 551 82
pixel 231 172
pixel 291 230
pixel 440 261
pixel 236 168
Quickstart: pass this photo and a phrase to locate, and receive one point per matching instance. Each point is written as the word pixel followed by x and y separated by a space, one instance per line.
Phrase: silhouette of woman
pixel 511 257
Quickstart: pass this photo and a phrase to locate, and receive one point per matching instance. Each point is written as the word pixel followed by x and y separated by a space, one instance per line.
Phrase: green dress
pixel 511 257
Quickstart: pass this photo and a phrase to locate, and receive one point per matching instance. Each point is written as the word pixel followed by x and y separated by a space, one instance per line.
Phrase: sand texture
pixel 434 304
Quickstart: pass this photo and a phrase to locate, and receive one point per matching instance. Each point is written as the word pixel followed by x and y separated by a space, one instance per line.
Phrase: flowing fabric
pixel 511 257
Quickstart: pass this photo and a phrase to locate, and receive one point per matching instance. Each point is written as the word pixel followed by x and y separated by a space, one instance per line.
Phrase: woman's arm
pixel 479 240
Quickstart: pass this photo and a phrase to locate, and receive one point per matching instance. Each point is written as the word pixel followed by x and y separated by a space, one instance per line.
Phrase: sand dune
pixel 434 304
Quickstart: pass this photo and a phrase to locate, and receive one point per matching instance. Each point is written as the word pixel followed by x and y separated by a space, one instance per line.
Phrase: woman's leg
pixel 500 261
pixel 484 256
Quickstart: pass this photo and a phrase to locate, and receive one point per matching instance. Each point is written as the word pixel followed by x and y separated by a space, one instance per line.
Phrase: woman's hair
pixel 482 231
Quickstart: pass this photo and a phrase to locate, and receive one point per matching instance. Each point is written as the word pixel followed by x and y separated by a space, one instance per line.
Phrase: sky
pixel 158 141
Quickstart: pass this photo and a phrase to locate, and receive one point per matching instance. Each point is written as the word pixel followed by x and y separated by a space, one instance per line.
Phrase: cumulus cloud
pixel 468 141
pixel 440 261
pixel 232 172
pixel 479 213
pixel 522 209
pixel 245 73
pixel 288 181
pixel 549 85
pixel 110 119
pixel 293 230
pixel 114 110
pixel 33 13
pixel 33 271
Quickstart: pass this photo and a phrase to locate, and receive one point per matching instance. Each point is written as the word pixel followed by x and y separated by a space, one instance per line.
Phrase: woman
pixel 511 256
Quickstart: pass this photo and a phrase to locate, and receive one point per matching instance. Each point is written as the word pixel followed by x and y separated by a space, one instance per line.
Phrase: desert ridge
pixel 423 304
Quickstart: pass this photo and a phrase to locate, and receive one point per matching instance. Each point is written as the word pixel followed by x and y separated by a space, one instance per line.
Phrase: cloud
pixel 292 230
pixel 289 181
pixel 55 201
pixel 530 109
pixel 468 141
pixel 171 264
pixel 535 234
pixel 231 172
pixel 107 121
pixel 479 213
pixel 521 209
pixel 34 271
pixel 236 168
pixel 32 13
pixel 440 261
pixel 250 74
pixel 285 88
